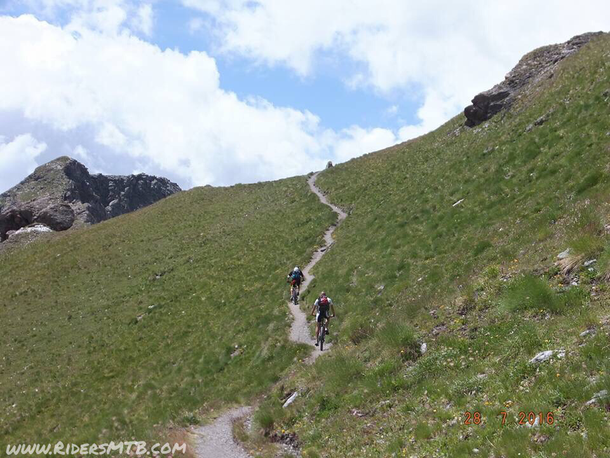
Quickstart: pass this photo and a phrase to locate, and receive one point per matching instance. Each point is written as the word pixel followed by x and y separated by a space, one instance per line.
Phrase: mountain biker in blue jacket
pixel 320 309
pixel 295 278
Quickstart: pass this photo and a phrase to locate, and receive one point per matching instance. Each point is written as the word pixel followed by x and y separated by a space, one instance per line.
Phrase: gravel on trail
pixel 216 440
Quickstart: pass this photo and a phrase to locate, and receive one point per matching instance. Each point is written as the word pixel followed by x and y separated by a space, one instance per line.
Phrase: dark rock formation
pixel 329 164
pixel 531 68
pixel 62 193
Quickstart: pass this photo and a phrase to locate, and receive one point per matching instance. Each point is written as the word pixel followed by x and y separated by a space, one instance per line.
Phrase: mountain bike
pixel 322 334
pixel 294 294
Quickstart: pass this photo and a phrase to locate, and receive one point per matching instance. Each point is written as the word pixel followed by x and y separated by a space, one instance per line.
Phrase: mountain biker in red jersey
pixel 320 310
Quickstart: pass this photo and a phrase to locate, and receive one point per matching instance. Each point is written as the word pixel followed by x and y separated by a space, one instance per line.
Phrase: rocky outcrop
pixel 62 194
pixel 531 68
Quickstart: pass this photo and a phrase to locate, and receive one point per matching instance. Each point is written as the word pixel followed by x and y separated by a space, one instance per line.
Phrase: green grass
pixel 477 282
pixel 155 317
pixel 533 293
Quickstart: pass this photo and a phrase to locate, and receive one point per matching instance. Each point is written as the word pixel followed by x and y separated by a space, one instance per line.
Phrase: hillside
pixel 153 318
pixel 452 241
pixel 466 254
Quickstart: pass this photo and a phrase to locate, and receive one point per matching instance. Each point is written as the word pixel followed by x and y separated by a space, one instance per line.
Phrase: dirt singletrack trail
pixel 299 331
pixel 216 439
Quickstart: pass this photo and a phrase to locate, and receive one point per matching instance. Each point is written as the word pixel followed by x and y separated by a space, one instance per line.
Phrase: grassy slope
pixel 475 281
pixel 110 331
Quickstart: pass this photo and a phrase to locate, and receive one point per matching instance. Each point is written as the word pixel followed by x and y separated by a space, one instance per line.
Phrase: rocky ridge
pixel 62 194
pixel 532 67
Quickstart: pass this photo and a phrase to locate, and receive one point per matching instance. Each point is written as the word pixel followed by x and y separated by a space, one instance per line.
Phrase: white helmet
pixel 296 269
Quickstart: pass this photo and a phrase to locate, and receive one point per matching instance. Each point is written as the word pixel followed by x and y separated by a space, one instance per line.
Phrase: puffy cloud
pixel 356 141
pixel 446 50
pixel 108 16
pixel 159 107
pixel 144 19
pixel 81 153
pixel 17 156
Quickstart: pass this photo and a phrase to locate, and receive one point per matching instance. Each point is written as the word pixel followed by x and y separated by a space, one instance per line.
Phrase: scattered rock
pixel 588 332
pixel 58 217
pixel 597 397
pixel 238 351
pixel 456 132
pixel 289 439
pixel 290 399
pixel 329 164
pixel 438 329
pixel 41 228
pixel 540 438
pixel 546 355
pixel 484 106
pixel 531 68
pixel 357 413
pixel 564 254
pixel 538 122
pixel 533 425
pixel 590 262
pixel 423 348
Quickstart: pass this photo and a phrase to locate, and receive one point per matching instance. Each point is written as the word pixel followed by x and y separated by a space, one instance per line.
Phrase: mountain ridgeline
pixel 63 193
pixel 470 282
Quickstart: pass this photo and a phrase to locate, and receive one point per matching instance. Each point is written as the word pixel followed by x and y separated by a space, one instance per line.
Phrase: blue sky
pixel 225 91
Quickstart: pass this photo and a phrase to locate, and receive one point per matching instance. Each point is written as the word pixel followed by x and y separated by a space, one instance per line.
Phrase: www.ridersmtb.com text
pixel 112 448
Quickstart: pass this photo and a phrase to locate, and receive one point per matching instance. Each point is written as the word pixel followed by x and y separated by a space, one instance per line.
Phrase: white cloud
pixel 391 110
pixel 356 141
pixel 196 24
pixel 17 157
pixel 108 16
pixel 448 50
pixel 81 153
pixel 159 107
pixel 144 19
pixel 207 6
pixel 121 96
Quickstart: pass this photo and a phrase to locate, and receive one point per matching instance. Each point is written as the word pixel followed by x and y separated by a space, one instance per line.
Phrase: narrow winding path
pixel 299 332
pixel 216 440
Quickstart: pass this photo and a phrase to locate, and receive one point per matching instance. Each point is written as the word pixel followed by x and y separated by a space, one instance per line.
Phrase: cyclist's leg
pixel 292 288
